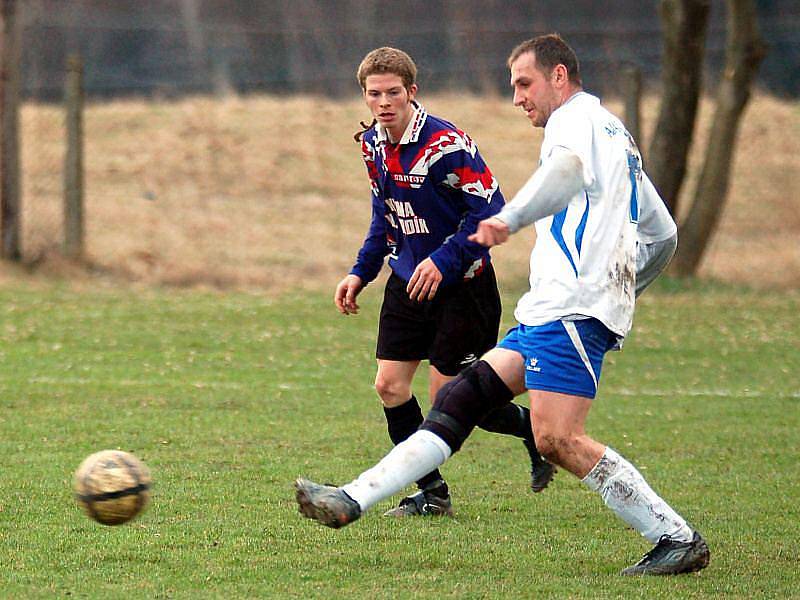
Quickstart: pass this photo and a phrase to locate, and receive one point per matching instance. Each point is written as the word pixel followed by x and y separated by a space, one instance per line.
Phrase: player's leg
pixel 404 334
pixel 559 420
pixel 467 323
pixel 402 410
pixel 563 367
pixel 515 419
pixel 393 381
pixel 403 419
pixel 436 380
pixel 459 406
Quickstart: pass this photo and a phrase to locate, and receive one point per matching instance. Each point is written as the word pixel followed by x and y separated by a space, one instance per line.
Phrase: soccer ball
pixel 112 486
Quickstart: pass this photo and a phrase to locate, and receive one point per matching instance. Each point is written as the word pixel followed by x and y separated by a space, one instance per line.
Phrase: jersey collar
pixel 413 129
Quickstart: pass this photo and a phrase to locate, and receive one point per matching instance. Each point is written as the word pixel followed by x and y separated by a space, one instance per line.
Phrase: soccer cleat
pixel 542 471
pixel 327 504
pixel 672 558
pixel 422 504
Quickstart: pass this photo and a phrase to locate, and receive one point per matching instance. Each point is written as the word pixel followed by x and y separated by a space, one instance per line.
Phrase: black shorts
pixel 452 331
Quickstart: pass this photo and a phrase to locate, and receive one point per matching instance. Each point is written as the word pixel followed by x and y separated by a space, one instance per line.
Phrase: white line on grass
pixel 83 381
pixel 715 393
pixel 231 385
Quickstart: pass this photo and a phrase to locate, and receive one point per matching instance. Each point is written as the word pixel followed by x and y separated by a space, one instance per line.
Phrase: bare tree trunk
pixel 685 23
pixel 743 54
pixel 632 96
pixel 10 204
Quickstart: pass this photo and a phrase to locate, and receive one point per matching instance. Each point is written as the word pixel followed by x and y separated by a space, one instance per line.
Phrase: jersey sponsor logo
pixel 400 208
pixel 404 180
pixel 400 215
pixel 412 226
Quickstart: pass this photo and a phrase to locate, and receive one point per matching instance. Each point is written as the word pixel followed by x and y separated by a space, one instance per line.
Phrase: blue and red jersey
pixel 429 192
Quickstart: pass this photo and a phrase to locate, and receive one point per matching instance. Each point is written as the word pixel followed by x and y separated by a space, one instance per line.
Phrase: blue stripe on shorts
pixel 562 356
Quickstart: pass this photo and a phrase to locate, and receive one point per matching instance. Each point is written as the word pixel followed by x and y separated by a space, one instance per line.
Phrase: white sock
pixel 420 454
pixel 625 491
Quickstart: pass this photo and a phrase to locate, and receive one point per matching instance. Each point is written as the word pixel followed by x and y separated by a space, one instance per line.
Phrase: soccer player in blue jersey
pixel 602 235
pixel 430 188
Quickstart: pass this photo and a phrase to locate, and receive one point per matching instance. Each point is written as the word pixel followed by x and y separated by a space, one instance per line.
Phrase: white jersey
pixel 584 260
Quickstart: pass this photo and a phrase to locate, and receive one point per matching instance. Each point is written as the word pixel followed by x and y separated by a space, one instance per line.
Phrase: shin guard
pixel 464 402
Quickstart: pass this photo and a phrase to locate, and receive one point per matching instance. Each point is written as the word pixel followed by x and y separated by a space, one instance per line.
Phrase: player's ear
pixel 412 92
pixel 559 76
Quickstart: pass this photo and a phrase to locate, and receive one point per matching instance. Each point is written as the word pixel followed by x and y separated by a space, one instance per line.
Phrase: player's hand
pixel 490 232
pixel 346 292
pixel 424 281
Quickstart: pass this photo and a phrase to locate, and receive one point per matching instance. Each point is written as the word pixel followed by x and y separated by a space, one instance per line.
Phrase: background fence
pixel 187 159
pixel 170 47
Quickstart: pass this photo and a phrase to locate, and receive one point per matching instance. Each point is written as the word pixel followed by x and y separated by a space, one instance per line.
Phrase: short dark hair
pixel 550 50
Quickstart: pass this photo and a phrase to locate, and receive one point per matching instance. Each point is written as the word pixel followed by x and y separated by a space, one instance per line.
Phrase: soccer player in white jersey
pixel 602 235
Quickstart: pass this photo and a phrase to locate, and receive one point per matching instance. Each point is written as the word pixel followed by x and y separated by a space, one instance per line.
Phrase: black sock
pixel 402 421
pixel 513 419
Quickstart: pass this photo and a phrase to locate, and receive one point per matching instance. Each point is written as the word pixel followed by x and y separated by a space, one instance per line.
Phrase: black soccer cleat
pixel 673 558
pixel 422 504
pixel 327 504
pixel 542 471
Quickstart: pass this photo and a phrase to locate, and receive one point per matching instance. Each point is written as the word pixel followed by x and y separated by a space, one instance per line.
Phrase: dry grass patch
pixel 270 193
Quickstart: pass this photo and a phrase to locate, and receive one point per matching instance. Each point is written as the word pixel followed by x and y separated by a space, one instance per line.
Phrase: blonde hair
pixel 387 60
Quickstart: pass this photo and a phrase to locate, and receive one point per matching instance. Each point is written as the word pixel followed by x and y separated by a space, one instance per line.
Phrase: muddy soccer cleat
pixel 673 558
pixel 326 503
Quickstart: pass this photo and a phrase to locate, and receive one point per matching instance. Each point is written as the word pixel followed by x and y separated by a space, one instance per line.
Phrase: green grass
pixel 229 397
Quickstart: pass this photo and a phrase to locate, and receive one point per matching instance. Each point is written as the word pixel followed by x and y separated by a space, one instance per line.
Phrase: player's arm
pixel 657 236
pixel 345 295
pixel 368 264
pixel 547 192
pixel 374 249
pixel 652 259
pixel 372 253
pixel 466 174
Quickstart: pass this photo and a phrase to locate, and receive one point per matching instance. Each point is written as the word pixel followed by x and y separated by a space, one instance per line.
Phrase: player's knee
pixel 391 392
pixel 464 402
pixel 555 445
pixel 547 445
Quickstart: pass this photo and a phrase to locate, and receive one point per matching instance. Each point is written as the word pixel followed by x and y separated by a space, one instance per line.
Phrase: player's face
pixel 533 90
pixel 390 102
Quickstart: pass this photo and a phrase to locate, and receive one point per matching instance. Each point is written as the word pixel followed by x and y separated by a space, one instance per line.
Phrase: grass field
pixel 229 397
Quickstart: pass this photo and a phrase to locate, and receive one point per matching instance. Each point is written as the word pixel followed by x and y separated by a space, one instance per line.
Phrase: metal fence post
pixel 73 161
